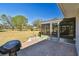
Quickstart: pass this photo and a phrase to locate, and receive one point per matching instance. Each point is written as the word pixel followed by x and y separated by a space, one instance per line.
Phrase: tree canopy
pixel 6 20
pixel 19 21
pixel 37 23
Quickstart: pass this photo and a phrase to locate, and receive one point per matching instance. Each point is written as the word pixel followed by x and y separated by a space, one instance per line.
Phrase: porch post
pixel 58 33
pixel 77 32
pixel 51 28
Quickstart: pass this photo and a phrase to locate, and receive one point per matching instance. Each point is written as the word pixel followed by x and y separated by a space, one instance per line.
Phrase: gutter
pixel 60 6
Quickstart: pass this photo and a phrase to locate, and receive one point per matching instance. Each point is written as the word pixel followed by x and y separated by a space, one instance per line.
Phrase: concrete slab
pixel 49 48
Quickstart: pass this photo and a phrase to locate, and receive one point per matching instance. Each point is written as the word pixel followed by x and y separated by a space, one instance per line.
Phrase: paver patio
pixel 49 48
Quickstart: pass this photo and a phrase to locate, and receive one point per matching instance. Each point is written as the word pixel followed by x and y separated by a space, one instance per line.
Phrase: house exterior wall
pixel 77 34
pixel 72 10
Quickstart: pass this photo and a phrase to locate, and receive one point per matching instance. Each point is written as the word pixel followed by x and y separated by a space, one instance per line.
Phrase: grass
pixel 13 35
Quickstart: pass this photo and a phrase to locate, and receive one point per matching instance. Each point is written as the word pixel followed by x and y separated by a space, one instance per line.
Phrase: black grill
pixel 10 47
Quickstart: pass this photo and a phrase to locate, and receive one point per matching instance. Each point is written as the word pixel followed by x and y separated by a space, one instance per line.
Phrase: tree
pixel 7 20
pixel 19 21
pixel 37 23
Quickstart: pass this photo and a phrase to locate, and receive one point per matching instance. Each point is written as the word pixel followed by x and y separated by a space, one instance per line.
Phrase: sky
pixel 32 11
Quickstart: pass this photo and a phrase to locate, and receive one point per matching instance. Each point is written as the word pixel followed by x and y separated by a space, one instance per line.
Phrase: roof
pixel 69 9
pixel 52 21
